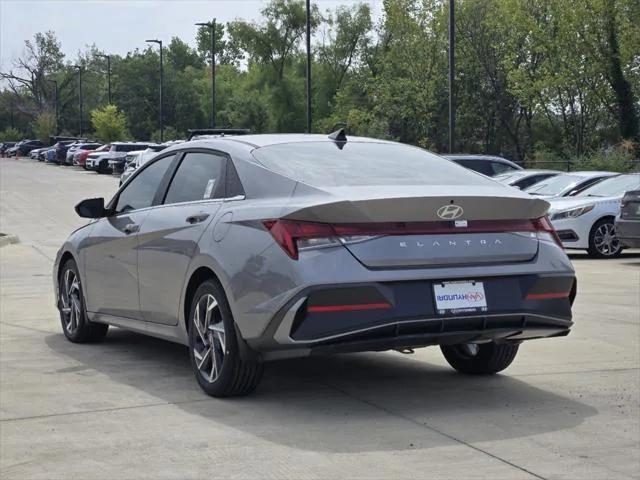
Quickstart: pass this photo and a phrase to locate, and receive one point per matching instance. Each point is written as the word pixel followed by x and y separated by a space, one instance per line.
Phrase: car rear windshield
pixel 554 185
pixel 363 163
pixel 612 187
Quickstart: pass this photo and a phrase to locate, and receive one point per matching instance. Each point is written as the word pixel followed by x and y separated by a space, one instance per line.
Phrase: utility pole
pixel 159 42
pixel 79 67
pixel 212 31
pixel 308 66
pixel 108 57
pixel 452 66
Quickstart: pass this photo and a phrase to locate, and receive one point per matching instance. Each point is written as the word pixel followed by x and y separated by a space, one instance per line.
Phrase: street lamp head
pixel 159 42
pixel 203 24
pixel 79 67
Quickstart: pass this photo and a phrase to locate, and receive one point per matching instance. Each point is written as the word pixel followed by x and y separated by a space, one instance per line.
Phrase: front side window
pixel 141 190
pixel 198 178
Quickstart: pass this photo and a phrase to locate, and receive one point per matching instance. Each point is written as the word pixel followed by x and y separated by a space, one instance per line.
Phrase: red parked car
pixel 80 158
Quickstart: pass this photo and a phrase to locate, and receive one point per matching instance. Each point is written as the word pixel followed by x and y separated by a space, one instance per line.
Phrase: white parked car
pixel 586 221
pixel 567 184
pixel 138 158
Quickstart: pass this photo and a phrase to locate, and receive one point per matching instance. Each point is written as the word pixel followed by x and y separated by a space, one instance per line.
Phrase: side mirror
pixel 91 208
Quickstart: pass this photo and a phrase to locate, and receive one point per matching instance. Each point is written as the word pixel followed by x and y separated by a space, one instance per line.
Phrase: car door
pixel 169 236
pixel 111 253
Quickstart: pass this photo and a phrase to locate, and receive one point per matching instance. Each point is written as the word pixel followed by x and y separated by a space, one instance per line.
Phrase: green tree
pixel 109 124
pixel 45 126
pixel 10 134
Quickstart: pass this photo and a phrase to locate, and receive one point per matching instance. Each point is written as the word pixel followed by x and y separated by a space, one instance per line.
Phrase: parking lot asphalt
pixel 130 407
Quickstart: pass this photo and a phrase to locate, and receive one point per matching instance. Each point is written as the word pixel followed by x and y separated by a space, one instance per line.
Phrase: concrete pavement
pixel 130 407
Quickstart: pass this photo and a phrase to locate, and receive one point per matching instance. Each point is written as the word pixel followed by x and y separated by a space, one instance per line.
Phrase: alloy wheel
pixel 209 347
pixel 71 303
pixel 605 240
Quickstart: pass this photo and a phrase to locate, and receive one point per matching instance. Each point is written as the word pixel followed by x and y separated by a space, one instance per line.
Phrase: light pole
pixel 79 67
pixel 212 31
pixel 159 42
pixel 452 66
pixel 108 57
pixel 308 66
pixel 55 83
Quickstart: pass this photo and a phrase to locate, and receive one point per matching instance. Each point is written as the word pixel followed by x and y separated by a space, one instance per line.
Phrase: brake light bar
pixel 348 307
pixel 288 233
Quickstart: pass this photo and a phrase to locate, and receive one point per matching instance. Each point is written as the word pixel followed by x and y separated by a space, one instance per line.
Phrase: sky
pixel 119 26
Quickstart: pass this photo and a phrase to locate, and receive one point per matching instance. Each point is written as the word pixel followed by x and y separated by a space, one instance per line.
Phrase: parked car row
pixel 585 206
pixel 121 158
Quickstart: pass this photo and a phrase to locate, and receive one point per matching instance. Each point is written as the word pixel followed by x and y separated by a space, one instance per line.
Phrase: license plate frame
pixel 461 296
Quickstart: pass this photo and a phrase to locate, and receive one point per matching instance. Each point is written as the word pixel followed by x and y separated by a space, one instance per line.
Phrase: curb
pixel 8 239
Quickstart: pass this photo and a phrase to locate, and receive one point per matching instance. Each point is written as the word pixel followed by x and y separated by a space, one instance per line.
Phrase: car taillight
pixel 292 235
pixel 295 235
pixel 543 225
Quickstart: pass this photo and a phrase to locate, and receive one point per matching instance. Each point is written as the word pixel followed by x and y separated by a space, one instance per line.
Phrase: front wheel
pixel 73 316
pixel 478 359
pixel 603 242
pixel 213 346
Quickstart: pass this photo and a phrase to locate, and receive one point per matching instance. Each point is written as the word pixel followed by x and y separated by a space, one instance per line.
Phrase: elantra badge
pixel 450 212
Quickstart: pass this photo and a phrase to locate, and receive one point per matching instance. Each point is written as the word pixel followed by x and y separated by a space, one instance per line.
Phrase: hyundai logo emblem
pixel 450 212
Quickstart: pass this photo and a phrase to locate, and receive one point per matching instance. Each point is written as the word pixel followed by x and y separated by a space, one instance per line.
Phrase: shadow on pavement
pixel 343 403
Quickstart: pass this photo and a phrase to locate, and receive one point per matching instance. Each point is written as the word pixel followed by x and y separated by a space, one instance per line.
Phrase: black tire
pixel 593 250
pixel 490 357
pixel 81 330
pixel 237 376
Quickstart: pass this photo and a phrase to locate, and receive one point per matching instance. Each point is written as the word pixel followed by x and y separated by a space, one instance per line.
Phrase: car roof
pixel 267 139
pixel 592 173
pixel 473 156
pixel 526 172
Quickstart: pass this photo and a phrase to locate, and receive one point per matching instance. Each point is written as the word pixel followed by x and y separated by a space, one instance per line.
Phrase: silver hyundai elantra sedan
pixel 260 247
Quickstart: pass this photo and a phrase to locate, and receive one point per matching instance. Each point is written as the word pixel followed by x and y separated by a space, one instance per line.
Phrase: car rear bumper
pixel 628 231
pixel 313 321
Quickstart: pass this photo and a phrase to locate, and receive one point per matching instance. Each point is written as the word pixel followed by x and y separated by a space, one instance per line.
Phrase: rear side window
pixel 499 168
pixel 363 163
pixel 199 177
pixel 532 180
pixel 128 148
pixel 141 190
pixel 477 166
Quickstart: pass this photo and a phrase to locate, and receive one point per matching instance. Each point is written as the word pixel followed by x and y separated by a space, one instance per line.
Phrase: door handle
pixel 131 228
pixel 197 218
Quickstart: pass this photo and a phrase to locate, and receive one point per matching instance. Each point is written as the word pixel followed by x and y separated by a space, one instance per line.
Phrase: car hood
pixel 560 204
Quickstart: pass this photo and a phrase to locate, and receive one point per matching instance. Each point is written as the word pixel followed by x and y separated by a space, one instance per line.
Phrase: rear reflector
pixel 546 296
pixel 348 308
pixel 288 233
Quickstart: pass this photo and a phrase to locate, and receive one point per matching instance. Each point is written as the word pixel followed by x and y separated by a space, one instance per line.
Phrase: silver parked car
pixel 260 247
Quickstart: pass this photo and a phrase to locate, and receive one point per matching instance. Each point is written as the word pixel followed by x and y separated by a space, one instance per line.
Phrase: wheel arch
pixel 64 258
pixel 607 216
pixel 198 276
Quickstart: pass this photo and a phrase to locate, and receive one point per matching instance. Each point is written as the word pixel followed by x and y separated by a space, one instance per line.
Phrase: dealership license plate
pixel 460 297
